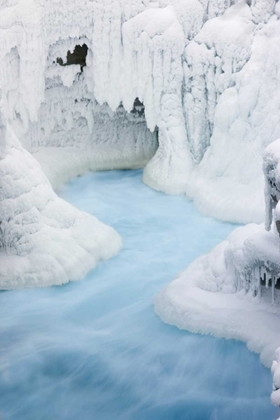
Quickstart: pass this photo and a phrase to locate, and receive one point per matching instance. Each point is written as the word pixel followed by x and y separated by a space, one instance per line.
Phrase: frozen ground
pixel 96 350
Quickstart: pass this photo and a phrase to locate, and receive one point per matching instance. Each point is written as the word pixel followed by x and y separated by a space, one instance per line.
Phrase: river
pixel 95 350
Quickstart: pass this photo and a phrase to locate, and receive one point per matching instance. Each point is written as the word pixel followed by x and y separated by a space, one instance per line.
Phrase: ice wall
pixel 205 71
pixel 232 94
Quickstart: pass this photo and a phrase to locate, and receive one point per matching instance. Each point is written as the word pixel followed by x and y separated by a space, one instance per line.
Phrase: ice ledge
pixel 186 305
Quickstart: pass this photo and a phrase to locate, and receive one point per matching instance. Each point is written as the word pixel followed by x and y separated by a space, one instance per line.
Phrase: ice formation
pixel 203 71
pixel 43 240
pixel 233 291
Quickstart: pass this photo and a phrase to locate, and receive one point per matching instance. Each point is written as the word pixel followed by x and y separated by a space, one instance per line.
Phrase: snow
pixel 186 304
pixel 44 240
pixel 213 294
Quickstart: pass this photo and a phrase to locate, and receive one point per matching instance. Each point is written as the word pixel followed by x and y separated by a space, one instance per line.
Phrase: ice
pixel 95 349
pixel 205 71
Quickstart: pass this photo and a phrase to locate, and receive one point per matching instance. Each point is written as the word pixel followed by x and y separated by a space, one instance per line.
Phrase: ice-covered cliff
pixel 205 73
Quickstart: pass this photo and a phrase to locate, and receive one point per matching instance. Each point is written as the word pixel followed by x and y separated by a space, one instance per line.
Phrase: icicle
pixel 259 293
pixel 249 280
pixel 256 280
pixel 238 280
pixel 266 279
pixel 243 283
pixel 276 280
pixel 273 288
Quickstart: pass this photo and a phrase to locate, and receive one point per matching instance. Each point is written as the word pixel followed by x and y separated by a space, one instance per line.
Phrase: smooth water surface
pixel 95 349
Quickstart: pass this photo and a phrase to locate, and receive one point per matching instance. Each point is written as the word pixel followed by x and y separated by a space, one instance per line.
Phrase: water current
pixel 95 350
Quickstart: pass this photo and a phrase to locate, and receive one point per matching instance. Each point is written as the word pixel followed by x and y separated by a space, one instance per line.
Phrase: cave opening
pixel 78 56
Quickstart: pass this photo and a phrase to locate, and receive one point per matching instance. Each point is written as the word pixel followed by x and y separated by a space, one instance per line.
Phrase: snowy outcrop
pixel 43 240
pixel 206 72
pixel 233 291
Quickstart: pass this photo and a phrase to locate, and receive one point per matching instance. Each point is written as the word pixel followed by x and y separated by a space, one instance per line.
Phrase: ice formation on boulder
pixel 204 70
pixel 43 240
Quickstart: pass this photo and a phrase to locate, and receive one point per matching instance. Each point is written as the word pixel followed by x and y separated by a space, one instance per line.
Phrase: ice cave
pixel 139 209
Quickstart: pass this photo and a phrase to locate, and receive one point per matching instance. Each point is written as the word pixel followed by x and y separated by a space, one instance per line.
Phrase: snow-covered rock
pixel 43 240
pixel 231 292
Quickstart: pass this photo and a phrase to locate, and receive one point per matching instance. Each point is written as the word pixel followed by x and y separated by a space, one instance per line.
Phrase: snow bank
pixel 221 293
pixel 232 292
pixel 43 240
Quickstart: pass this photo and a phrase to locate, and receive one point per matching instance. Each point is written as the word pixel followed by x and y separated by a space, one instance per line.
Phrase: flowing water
pixel 95 350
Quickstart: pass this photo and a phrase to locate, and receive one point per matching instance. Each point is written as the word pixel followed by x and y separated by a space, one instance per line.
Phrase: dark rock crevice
pixel 78 56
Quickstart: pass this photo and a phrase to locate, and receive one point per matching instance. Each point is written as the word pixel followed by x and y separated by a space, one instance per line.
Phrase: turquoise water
pixel 95 350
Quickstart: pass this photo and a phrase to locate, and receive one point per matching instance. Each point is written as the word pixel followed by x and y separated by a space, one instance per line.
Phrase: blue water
pixel 95 350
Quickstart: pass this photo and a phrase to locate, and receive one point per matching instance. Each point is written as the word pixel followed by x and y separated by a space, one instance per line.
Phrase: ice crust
pixel 206 72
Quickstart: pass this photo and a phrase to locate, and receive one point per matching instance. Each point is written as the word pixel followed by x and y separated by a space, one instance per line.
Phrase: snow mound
pixel 205 298
pixel 43 240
